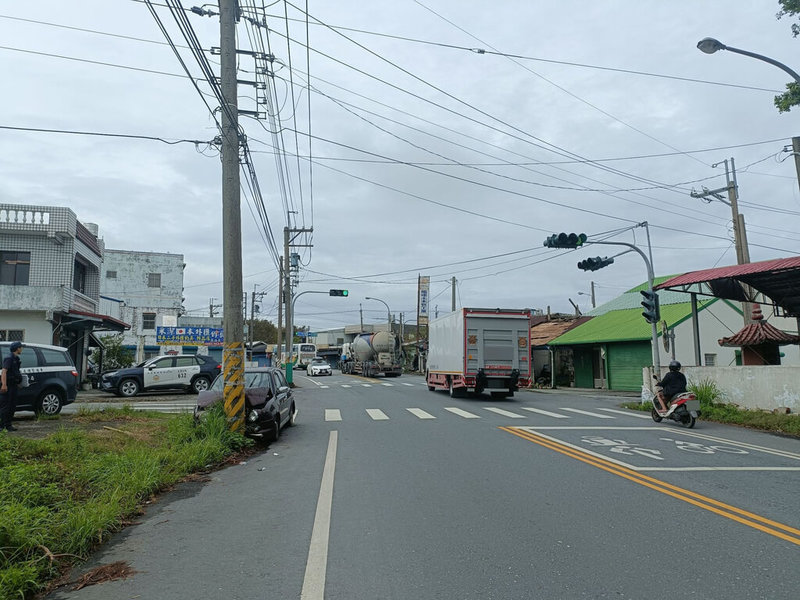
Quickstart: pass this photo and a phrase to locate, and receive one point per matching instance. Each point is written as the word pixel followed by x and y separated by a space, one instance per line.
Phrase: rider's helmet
pixel 674 365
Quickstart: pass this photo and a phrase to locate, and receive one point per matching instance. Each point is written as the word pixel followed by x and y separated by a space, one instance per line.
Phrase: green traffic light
pixel 344 292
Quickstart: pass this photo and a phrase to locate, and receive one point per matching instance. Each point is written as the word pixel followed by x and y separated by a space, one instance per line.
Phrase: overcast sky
pixel 426 157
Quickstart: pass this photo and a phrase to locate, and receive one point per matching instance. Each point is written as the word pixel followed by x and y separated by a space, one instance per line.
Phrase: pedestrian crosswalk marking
pixel 324 387
pixel 461 413
pixel 586 412
pixel 377 414
pixel 418 412
pixel 544 412
pixel 388 384
pixel 505 413
pixel 333 414
pixel 344 385
pixel 366 385
pixel 627 413
pixel 408 384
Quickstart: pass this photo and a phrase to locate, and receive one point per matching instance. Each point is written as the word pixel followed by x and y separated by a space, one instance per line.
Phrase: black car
pixel 269 403
pixel 190 372
pixel 52 380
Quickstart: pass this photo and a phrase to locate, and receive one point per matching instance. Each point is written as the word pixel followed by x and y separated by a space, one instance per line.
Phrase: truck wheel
pixel 454 391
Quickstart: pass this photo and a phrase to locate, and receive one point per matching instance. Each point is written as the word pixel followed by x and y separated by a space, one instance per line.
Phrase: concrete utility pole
pixel 288 242
pixel 453 296
pixel 233 351
pixel 593 302
pixel 796 154
pixel 739 232
pixel 281 300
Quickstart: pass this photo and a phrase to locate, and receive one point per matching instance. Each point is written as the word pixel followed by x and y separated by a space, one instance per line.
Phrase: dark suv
pixel 52 377
pixel 190 372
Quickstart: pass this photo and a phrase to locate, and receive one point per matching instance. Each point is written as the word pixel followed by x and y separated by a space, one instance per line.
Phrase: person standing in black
pixel 10 378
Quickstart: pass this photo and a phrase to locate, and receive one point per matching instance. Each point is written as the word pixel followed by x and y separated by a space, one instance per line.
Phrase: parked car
pixel 318 366
pixel 269 403
pixel 190 372
pixel 52 379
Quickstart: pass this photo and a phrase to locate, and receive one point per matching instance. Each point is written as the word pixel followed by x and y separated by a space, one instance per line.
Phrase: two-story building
pixel 149 289
pixel 50 279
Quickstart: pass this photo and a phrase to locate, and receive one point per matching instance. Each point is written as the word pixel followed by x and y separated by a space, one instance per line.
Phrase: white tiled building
pixel 50 279
pixel 149 288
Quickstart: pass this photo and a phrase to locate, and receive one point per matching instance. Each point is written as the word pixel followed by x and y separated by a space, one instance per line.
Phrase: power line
pixel 105 134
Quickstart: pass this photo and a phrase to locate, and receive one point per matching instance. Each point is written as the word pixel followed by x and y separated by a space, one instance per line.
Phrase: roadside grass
pixel 714 408
pixel 63 495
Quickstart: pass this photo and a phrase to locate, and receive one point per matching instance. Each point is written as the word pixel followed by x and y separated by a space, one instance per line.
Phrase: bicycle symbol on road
pixel 704 449
pixel 621 447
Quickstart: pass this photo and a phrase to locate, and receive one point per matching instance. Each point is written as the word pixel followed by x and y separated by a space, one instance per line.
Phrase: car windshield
pixel 318 361
pixel 251 380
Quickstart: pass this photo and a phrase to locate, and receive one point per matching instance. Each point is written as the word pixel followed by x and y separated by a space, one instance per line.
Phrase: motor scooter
pixel 682 408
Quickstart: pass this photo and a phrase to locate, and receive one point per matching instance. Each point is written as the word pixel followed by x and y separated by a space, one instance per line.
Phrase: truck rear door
pixel 497 344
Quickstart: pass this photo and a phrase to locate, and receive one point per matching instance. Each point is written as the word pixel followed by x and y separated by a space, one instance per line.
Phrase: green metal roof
pixel 625 325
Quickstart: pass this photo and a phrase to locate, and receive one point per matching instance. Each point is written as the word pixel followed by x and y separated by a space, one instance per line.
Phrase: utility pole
pixel 739 232
pixel 212 307
pixel 796 154
pixel 593 303
pixel 281 300
pixel 288 242
pixel 453 295
pixel 233 327
pixel 361 316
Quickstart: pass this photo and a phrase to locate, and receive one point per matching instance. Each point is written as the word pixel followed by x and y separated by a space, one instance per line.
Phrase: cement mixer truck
pixel 372 353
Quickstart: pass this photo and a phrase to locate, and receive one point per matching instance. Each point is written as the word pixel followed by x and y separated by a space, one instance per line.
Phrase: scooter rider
pixel 672 384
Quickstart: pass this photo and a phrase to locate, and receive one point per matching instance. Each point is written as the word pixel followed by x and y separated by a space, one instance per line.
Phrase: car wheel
pixel 200 384
pixel 292 416
pixel 49 403
pixel 128 387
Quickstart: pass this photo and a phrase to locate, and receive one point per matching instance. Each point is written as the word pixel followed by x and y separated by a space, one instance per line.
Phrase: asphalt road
pixel 385 490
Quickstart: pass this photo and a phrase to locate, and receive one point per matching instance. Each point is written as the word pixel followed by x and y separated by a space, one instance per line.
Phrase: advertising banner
pixel 189 336
pixel 422 302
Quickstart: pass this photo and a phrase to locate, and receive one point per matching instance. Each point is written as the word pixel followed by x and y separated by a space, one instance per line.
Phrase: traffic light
pixel 592 264
pixel 652 312
pixel 338 292
pixel 565 240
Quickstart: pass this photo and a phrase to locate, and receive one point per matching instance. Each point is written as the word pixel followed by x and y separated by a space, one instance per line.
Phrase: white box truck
pixel 480 349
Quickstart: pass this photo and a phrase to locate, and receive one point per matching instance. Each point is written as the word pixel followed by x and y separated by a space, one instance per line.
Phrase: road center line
pixel 317 563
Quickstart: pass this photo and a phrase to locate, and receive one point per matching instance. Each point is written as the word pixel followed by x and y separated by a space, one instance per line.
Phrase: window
pixel 148 320
pixel 280 379
pixel 55 357
pixel 164 363
pixel 79 277
pixel 710 360
pixel 154 280
pixel 185 361
pixel 111 274
pixel 14 268
pixel 12 335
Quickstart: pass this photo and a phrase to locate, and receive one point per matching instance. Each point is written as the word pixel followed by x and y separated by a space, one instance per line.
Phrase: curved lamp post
pixel 710 45
pixel 388 311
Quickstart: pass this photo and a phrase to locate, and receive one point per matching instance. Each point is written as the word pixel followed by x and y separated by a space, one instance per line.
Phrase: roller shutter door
pixel 625 363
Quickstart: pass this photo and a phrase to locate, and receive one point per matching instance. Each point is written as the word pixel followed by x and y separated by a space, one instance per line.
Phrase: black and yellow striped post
pixel 233 377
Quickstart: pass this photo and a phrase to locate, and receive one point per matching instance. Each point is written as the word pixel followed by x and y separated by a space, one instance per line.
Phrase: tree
pixel 115 355
pixel 265 331
pixel 791 97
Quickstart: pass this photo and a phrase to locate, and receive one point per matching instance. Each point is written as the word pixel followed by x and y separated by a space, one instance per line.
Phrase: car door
pixel 282 395
pixel 159 373
pixel 186 367
pixel 30 364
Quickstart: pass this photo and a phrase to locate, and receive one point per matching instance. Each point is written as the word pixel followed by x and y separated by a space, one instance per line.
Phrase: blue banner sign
pixel 191 336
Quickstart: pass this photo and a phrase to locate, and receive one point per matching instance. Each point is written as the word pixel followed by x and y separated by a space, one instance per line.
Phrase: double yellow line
pixel 779 530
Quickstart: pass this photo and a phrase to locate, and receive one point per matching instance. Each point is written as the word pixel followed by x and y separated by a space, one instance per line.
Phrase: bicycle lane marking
pixel 763 524
pixel 537 430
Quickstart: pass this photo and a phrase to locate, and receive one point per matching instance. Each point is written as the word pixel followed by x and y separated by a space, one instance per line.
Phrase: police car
pixel 51 377
pixel 192 373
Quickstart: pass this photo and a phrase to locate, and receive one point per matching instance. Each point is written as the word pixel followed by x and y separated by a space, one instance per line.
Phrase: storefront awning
pixel 86 320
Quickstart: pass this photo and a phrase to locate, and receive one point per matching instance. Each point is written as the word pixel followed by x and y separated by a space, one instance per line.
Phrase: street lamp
pixel 588 294
pixel 710 45
pixel 388 311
